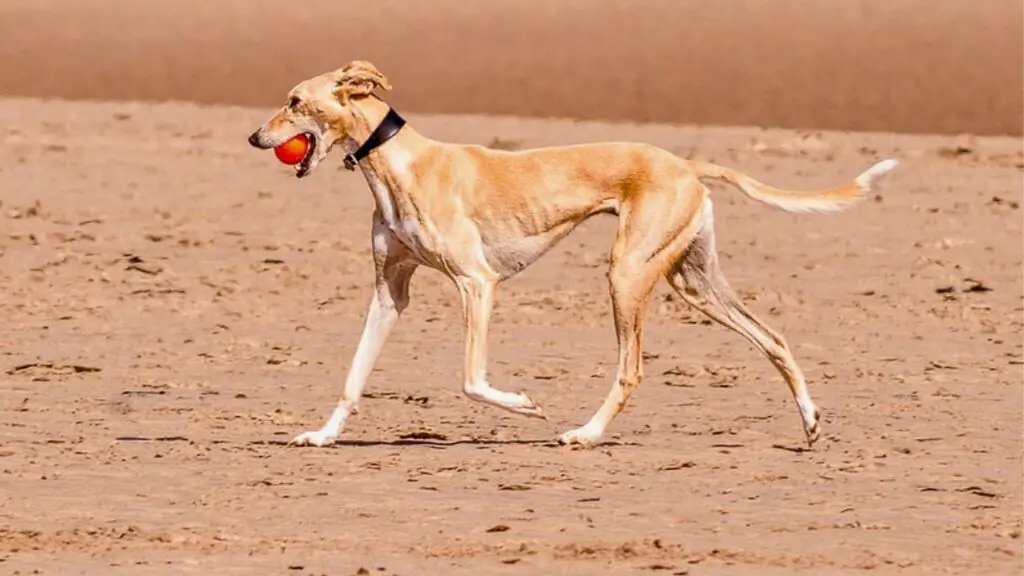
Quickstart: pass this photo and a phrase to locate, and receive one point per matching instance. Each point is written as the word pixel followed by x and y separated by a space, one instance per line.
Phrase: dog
pixel 480 216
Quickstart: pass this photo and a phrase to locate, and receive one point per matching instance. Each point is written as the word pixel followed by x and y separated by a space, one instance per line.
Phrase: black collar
pixel 384 131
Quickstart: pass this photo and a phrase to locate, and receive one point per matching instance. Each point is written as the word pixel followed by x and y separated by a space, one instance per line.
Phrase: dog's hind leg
pixel 630 288
pixel 699 281
pixel 652 234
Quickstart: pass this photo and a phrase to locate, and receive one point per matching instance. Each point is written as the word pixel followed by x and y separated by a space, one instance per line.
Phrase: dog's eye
pixel 294 101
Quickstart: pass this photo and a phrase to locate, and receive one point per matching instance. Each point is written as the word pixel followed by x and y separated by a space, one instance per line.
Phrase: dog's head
pixel 325 109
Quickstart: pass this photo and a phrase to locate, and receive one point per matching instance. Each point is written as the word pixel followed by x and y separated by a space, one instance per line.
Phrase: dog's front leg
pixel 393 269
pixel 477 302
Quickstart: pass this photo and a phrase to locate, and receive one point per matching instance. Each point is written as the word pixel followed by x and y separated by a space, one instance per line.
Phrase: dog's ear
pixel 359 78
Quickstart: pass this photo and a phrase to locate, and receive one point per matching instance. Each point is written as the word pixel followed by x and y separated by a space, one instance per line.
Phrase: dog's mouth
pixel 308 161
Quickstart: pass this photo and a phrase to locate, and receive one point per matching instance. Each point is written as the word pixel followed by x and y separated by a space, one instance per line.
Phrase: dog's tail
pixel 828 200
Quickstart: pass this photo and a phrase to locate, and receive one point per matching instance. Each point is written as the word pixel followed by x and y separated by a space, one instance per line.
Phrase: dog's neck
pixel 387 168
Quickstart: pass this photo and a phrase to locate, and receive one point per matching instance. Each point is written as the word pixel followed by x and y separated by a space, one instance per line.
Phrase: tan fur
pixel 481 216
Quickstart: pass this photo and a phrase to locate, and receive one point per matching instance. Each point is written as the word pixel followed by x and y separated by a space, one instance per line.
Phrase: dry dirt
pixel 176 306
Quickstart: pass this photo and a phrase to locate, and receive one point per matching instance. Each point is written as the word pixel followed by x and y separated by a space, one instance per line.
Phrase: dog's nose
pixel 254 139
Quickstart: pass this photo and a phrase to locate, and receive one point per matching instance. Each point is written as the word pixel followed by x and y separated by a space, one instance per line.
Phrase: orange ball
pixel 293 151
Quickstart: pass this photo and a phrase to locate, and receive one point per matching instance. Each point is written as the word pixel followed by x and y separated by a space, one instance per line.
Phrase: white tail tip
pixel 868 177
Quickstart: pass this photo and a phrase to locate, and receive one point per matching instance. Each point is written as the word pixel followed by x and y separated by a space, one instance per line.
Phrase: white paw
pixel 318 438
pixel 812 427
pixel 586 436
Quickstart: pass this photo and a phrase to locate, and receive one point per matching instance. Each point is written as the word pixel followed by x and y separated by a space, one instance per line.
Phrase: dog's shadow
pixel 438 443
pixel 432 443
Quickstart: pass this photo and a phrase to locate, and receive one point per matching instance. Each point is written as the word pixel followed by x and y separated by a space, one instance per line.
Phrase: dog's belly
pixel 509 255
pixel 512 245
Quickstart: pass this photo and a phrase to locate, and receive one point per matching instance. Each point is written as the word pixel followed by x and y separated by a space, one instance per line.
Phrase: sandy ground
pixel 955 66
pixel 176 307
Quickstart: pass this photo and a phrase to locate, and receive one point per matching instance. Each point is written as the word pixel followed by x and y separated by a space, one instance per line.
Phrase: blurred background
pixel 947 66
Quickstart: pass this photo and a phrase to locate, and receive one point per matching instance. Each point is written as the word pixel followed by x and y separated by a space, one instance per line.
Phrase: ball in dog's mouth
pixel 293 150
pixel 298 151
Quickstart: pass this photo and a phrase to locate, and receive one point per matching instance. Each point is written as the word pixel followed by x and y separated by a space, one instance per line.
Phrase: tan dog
pixel 480 216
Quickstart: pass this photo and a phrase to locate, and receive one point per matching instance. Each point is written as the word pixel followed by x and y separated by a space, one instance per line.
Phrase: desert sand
pixel 176 307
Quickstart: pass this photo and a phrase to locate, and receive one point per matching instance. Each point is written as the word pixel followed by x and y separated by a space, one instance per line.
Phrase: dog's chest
pixel 408 232
pixel 404 227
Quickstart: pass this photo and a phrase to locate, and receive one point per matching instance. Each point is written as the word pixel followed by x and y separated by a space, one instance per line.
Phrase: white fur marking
pixel 867 178
pixel 708 214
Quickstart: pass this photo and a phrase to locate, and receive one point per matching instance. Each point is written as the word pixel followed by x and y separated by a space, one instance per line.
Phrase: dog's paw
pixel 813 429
pixel 530 408
pixel 319 438
pixel 585 437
